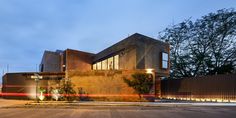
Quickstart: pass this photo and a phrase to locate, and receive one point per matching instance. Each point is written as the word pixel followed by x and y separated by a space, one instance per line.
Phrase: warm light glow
pixel 225 100
pixel 208 100
pixel 201 99
pixel 41 96
pixel 232 101
pixel 149 71
pixel 198 100
pixel 32 91
pixel 36 77
pixel 55 94
pixel 213 100
pixel 218 100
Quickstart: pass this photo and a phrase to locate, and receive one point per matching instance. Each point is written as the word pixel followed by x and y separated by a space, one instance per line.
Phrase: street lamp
pixel 36 77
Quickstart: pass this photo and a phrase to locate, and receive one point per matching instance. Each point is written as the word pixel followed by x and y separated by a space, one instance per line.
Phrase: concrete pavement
pixel 9 103
pixel 30 103
pixel 150 104
pixel 90 109
pixel 120 112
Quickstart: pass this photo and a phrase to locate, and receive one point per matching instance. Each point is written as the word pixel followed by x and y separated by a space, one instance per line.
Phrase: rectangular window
pixel 99 65
pixel 110 63
pixel 94 66
pixel 104 64
pixel 165 60
pixel 116 62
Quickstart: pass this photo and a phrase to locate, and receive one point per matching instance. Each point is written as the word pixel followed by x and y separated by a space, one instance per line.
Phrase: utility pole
pixel 3 72
pixel 36 68
pixel 7 68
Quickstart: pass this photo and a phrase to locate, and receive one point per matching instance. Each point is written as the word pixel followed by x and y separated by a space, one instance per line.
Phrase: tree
pixel 140 82
pixel 67 91
pixel 204 47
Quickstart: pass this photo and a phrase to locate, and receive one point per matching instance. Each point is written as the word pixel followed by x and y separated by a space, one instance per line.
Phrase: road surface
pixel 120 112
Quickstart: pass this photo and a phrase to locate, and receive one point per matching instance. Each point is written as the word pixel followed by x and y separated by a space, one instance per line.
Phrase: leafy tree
pixel 67 91
pixel 204 47
pixel 141 82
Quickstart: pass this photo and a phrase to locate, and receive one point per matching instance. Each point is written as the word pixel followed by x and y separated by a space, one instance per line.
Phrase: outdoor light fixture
pixel 55 94
pixel 203 99
pixel 41 96
pixel 149 71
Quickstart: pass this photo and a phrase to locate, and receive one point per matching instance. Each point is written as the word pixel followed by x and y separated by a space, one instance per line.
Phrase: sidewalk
pixel 148 104
pixel 9 103
pixel 22 103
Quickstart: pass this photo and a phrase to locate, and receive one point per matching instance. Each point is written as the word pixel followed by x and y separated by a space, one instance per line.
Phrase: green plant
pixel 67 91
pixel 140 82
pixel 204 46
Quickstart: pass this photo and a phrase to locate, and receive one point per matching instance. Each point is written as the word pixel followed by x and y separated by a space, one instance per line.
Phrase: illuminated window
pixel 104 65
pixel 99 66
pixel 116 62
pixel 110 63
pixel 94 67
pixel 164 60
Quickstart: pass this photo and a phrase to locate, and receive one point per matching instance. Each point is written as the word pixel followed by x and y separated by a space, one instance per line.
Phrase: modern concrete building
pixel 100 73
pixel 134 52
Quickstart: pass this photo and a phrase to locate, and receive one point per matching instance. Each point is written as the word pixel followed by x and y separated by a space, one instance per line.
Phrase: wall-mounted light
pixel 149 71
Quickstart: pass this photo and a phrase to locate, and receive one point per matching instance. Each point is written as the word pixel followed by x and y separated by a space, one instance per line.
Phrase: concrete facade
pixel 138 52
pixel 77 60
pixel 51 62
pixel 135 52
pixel 61 61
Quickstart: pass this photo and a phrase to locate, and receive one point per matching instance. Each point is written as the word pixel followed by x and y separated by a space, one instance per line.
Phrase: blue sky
pixel 28 27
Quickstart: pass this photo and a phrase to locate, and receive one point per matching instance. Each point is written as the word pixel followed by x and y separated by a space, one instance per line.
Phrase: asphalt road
pixel 120 112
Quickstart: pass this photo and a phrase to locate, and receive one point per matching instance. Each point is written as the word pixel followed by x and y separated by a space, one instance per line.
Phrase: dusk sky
pixel 29 27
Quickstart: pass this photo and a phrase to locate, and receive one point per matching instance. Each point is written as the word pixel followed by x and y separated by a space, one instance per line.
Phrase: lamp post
pixel 36 77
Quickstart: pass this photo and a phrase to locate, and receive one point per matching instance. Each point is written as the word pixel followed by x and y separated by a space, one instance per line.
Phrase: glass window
pixel 164 56
pixel 99 66
pixel 110 63
pixel 94 66
pixel 116 62
pixel 164 64
pixel 104 65
pixel 164 60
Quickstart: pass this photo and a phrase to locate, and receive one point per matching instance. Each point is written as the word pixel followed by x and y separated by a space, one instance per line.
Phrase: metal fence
pixel 216 88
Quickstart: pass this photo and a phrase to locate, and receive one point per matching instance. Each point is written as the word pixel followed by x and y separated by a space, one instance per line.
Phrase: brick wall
pixel 104 85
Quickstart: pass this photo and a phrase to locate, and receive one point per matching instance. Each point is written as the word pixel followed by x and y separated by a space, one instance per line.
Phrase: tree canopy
pixel 205 46
pixel 140 82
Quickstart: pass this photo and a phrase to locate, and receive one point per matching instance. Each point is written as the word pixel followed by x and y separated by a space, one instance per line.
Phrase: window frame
pixel 164 59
